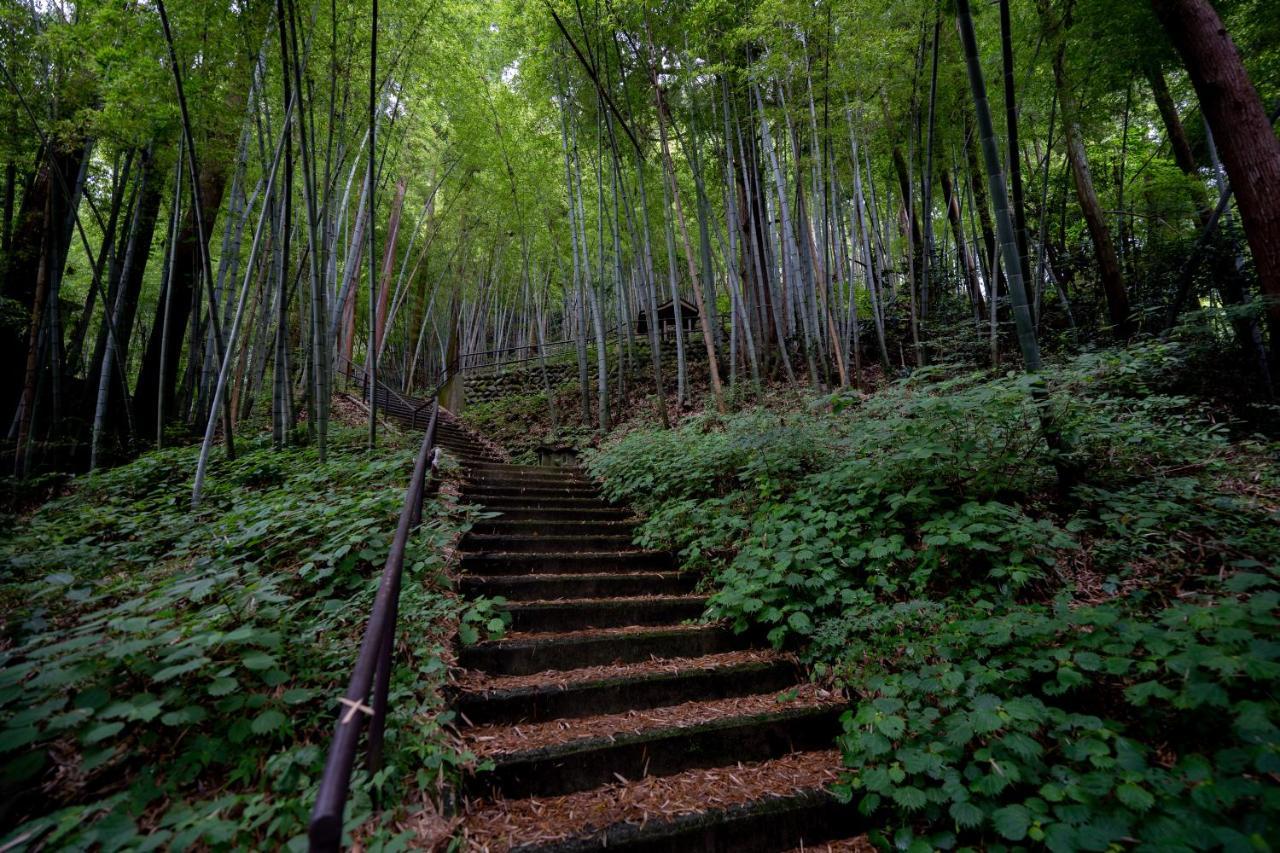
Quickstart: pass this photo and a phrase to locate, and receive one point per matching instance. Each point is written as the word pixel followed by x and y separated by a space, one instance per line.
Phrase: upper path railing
pixel 496 359
pixel 410 410
pixel 365 699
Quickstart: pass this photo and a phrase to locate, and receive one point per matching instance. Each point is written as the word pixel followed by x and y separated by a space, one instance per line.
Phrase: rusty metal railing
pixel 366 697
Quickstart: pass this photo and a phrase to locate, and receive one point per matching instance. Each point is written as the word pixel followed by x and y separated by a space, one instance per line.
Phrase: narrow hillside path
pixel 611 716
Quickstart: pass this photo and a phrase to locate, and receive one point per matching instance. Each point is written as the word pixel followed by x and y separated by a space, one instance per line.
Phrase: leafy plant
pixel 1081 672
pixel 1073 727
pixel 170 678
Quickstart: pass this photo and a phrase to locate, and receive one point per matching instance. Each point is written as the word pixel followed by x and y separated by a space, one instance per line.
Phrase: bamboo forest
pixel 655 425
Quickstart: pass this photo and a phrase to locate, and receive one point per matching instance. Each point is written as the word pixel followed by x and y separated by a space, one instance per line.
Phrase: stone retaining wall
pixel 485 386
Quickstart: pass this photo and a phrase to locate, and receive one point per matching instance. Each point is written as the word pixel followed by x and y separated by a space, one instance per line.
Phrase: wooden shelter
pixel 667 317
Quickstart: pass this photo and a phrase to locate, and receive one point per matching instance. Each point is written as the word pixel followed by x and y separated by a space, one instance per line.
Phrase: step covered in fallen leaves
pixel 580 585
pixel 562 756
pixel 521 543
pixel 574 613
pixel 591 691
pixel 521 654
pixel 591 562
pixel 742 807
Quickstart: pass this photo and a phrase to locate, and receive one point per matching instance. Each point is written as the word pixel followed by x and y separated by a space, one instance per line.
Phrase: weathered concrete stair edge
pixel 770 823
pixel 565 562
pixel 588 762
pixel 490 474
pixel 590 512
pixel 642 691
pixel 540 587
pixel 555 542
pixel 532 492
pixel 554 527
pixel 604 613
pixel 526 656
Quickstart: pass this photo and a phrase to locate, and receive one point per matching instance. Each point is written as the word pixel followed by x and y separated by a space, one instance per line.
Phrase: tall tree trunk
pixel 1011 130
pixel 1109 271
pixel 6 216
pixel 704 319
pixel 915 237
pixel 371 367
pixel 1177 137
pixel 787 235
pixel 53 182
pixel 388 264
pixel 997 284
pixel 155 392
pixel 117 320
pixel 27 401
pixel 962 249
pixel 999 192
pixel 926 180
pixel 1247 144
pixel 578 251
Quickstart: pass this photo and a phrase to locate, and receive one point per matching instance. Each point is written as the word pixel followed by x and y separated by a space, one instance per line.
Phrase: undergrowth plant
pixel 169 679
pixel 1081 671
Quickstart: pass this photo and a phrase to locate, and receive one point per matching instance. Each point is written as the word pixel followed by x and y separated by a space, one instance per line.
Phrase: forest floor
pixel 1079 667
pixel 1025 664
pixel 167 676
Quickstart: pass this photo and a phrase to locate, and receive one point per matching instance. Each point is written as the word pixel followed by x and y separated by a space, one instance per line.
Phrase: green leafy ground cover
pixel 169 679
pixel 1088 671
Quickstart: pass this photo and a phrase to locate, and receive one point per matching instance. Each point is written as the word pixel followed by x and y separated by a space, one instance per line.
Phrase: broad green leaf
pixel 268 721
pixel 222 686
pixel 1135 797
pixel 800 623
pixel 909 797
pixel 102 732
pixel 258 660
pixel 174 671
pixel 1012 822
pixel 966 814
pixel 11 739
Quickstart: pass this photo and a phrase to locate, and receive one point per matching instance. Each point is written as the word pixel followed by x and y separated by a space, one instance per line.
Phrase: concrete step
pixel 533 490
pixel 576 614
pixel 518 483
pixel 522 655
pixel 550 544
pixel 471 453
pixel 506 502
pixel 590 511
pixel 662 751
pixel 566 563
pixel 464 444
pixel 530 470
pixel 688 681
pixel 503 526
pixel 542 587
pixel 465 457
pixel 544 472
pixel 800 819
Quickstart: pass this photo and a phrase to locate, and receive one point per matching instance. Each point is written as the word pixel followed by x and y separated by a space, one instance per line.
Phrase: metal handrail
pixel 366 694
pixel 411 403
pixel 441 379
pixel 382 386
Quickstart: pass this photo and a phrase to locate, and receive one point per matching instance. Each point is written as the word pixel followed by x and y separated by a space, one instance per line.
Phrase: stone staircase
pixel 608 715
